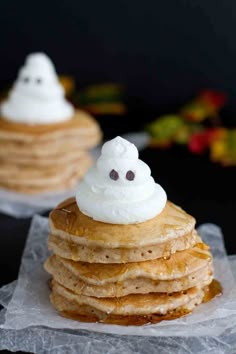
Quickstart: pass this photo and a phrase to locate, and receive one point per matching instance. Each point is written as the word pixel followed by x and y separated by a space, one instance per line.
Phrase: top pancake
pixel 70 223
pixel 81 121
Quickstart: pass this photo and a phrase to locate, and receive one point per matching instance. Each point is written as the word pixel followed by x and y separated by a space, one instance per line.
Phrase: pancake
pixel 83 125
pixel 36 161
pixel 13 173
pixel 135 304
pixel 46 182
pixel 62 145
pixel 68 222
pixel 76 252
pixel 131 286
pixel 140 281
pixel 60 186
pixel 176 266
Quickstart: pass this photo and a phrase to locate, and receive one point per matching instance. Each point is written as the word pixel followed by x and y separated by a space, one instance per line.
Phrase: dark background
pixel 164 52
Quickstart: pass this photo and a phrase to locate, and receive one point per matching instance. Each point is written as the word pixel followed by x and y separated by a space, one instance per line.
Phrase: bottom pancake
pixel 131 310
pixel 133 304
pixel 133 320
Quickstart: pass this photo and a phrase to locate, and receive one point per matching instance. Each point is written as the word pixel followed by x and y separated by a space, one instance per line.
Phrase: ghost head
pixel 119 163
pixel 37 95
pixel 119 189
pixel 38 78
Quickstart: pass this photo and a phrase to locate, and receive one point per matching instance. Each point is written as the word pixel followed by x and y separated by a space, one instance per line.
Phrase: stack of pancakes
pixel 50 157
pixel 126 274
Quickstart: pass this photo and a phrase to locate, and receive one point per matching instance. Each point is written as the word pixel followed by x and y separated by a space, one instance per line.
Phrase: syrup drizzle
pixel 212 291
pixel 70 216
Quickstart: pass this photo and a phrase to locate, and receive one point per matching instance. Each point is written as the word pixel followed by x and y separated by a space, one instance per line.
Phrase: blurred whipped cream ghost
pixel 37 97
pixel 119 189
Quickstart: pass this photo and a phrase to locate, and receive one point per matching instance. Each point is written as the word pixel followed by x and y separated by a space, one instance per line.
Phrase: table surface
pixel 203 189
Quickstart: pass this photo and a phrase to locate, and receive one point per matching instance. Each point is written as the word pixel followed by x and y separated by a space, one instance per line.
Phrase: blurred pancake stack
pixel 44 158
pixel 44 142
pixel 108 267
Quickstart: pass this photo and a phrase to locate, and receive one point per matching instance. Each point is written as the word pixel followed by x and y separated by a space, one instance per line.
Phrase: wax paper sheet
pixel 28 322
pixel 22 205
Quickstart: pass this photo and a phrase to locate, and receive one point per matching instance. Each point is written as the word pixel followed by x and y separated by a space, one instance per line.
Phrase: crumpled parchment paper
pixel 28 322
pixel 22 205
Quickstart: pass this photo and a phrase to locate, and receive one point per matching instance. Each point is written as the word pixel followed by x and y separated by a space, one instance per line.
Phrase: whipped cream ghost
pixel 119 188
pixel 37 97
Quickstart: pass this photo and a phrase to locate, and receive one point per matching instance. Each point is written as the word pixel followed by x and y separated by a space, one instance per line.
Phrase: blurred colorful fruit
pixel 183 134
pixel 213 98
pixel 106 98
pixel 201 141
pixel 205 105
pixel 223 148
pixel 163 129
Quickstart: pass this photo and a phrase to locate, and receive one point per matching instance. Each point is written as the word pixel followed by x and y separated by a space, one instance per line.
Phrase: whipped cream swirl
pixel 37 97
pixel 119 188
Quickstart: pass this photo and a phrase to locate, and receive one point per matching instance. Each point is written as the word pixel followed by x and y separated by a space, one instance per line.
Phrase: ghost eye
pixel 38 80
pixel 130 175
pixel 25 79
pixel 114 175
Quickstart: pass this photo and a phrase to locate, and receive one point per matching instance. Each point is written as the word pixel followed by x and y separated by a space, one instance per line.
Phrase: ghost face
pixel 120 179
pixel 123 172
pixel 40 83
